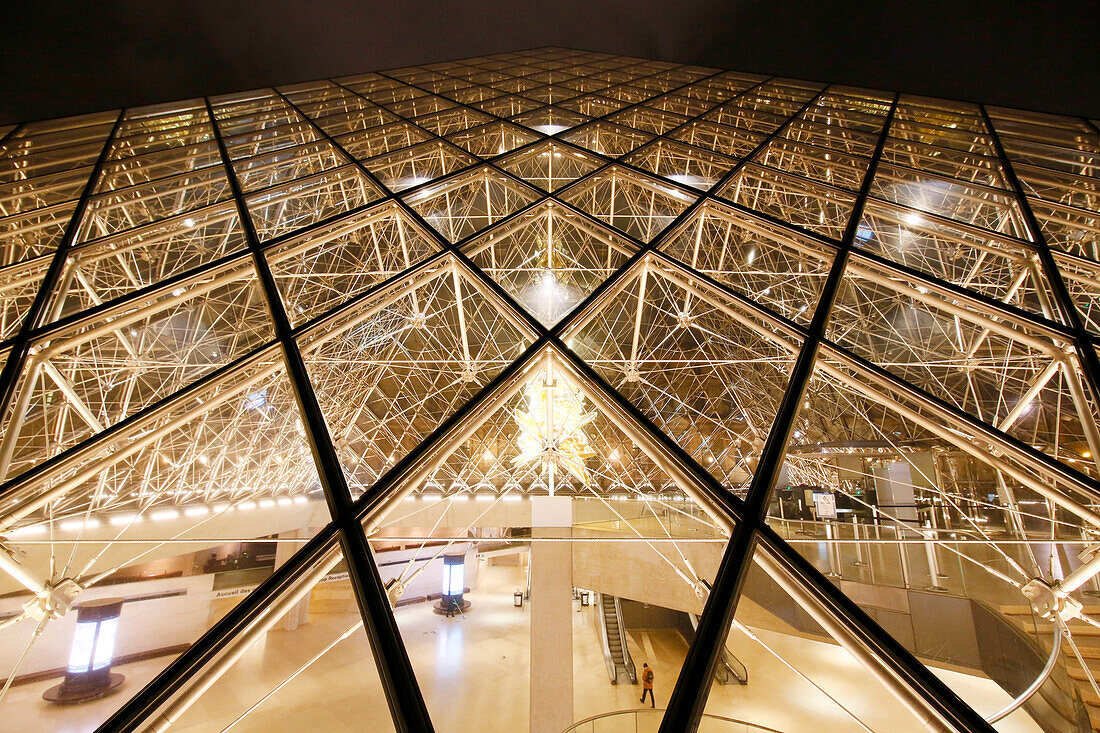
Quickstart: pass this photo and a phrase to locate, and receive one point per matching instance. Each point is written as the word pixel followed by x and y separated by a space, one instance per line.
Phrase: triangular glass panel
pixel 393 364
pixel 971 203
pixel 507 105
pixel 316 649
pixel 418 165
pixel 1082 279
pixel 549 259
pixel 780 669
pixel 593 105
pixel 708 368
pixel 997 266
pixel 448 121
pixel 104 270
pixel 331 265
pixel 719 138
pixel 469 202
pixel 90 374
pixel 550 120
pixel 768 263
pixel 289 164
pixel 379 141
pixel 550 165
pixel 1004 371
pixel 607 139
pixel 918 516
pixel 284 209
pixel 493 139
pixel 631 202
pixel 116 211
pixel 19 285
pixel 819 207
pixel 684 164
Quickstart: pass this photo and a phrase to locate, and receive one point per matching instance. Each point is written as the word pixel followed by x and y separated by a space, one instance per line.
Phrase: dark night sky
pixel 64 58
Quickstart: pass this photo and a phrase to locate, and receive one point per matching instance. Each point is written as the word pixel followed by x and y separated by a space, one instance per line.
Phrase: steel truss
pixel 332 289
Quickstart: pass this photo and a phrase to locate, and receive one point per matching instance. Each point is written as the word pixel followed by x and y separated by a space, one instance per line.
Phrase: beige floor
pixel 474 673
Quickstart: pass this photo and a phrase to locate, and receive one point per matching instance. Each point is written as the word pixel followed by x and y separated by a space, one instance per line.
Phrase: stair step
pixel 1026 610
pixel 1075 672
pixel 1079 629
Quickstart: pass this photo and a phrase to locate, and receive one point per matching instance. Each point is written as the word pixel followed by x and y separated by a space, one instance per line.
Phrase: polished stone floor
pixel 474 673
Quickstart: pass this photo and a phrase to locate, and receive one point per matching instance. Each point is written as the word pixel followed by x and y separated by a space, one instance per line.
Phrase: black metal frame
pixel 406 703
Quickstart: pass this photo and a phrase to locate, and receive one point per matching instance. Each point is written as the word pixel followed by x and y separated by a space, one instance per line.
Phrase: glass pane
pixel 391 367
pixel 550 259
pixel 177 516
pixel 631 202
pixel 917 517
pixel 560 550
pixel 310 668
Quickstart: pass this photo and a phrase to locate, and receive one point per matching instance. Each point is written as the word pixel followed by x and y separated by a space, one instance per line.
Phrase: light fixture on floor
pixel 454 585
pixel 89 674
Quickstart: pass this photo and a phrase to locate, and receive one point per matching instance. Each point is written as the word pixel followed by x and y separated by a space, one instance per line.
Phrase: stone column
pixel 551 615
pixel 299 613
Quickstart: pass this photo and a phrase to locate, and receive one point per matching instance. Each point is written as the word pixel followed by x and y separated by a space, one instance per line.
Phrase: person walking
pixel 647 684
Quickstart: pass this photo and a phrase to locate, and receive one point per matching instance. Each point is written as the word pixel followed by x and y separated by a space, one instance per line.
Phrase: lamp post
pixel 88 675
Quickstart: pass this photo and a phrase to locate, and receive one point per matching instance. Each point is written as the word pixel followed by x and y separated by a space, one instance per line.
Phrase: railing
pixel 647 721
pixel 956 561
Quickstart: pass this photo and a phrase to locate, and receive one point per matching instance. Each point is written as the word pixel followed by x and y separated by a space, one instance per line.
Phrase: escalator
pixel 730 669
pixel 613 638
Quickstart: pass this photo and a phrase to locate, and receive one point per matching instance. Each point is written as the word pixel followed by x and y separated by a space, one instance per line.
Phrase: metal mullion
pixel 160 690
pixel 403 695
pixel 1086 357
pixel 15 130
pixel 688 699
pixel 37 313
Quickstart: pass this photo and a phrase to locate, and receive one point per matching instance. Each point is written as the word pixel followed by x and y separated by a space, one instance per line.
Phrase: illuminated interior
pixel 785 389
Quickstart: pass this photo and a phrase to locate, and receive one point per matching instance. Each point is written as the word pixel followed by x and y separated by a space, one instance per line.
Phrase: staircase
pixel 1087 639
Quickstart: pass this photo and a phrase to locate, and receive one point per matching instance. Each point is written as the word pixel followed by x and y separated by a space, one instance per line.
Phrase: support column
pixel 298 614
pixel 551 615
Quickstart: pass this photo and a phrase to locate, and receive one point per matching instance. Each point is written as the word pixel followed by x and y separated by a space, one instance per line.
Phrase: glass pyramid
pixel 255 344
